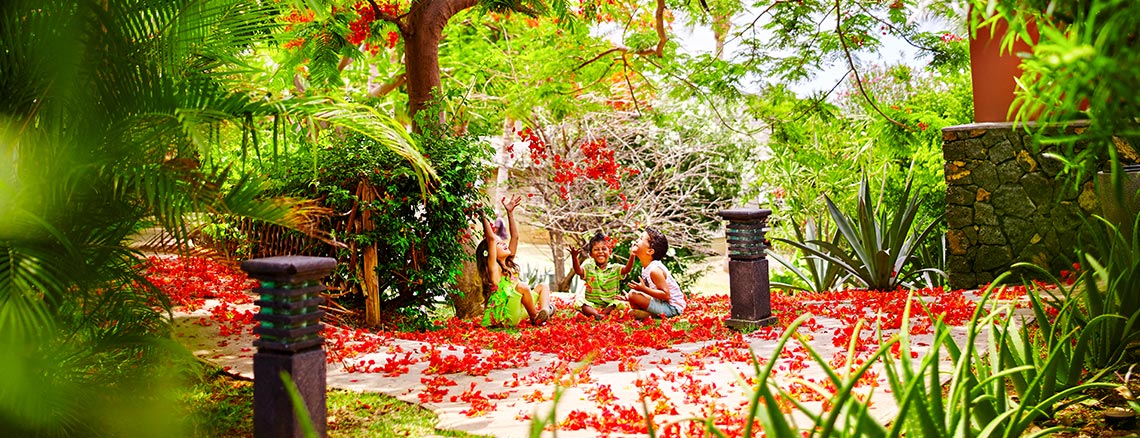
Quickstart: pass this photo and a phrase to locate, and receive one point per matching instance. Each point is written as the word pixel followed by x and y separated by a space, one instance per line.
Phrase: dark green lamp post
pixel 289 341
pixel 749 291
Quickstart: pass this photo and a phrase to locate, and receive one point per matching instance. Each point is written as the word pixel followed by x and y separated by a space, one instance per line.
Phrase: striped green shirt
pixel 601 284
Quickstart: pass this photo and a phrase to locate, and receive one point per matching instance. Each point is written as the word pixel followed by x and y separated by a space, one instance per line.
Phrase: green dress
pixel 601 284
pixel 504 307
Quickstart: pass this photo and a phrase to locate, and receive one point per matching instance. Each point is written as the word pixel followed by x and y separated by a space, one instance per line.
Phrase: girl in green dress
pixel 507 300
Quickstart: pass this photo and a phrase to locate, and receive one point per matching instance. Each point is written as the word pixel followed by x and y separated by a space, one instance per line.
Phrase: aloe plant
pixel 819 274
pixel 1102 303
pixel 978 402
pixel 881 244
pixel 848 416
pixel 1109 302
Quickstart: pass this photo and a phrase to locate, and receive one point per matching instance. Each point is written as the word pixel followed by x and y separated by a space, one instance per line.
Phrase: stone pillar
pixel 1008 202
pixel 289 341
pixel 748 268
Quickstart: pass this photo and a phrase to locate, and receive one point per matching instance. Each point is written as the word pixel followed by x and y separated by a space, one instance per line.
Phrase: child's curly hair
pixel 658 243
pixel 482 262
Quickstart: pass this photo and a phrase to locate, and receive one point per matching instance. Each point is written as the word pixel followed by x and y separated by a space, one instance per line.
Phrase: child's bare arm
pixel 510 207
pixel 488 230
pixel 492 252
pixel 660 284
pixel 574 254
pixel 628 266
pixel 657 288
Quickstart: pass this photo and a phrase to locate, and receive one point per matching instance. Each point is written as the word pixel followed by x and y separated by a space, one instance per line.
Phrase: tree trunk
pixel 468 293
pixel 564 284
pixel 366 194
pixel 557 243
pixel 721 25
pixel 422 35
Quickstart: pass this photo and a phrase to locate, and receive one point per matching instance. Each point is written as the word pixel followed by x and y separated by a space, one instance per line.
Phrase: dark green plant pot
pixel 1120 211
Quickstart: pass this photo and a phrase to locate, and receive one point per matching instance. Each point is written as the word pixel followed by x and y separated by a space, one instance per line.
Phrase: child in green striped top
pixel 603 280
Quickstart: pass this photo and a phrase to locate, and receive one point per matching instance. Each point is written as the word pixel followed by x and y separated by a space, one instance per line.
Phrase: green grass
pixel 354 414
pixel 220 405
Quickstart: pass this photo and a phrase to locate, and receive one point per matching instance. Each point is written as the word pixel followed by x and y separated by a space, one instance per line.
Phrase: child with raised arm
pixel 602 278
pixel 658 294
pixel 508 300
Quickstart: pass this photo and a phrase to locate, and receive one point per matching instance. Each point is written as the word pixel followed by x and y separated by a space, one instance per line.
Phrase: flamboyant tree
pixel 616 173
pixel 327 35
pixel 503 71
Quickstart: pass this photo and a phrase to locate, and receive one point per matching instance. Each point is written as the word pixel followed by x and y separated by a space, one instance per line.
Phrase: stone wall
pixel 1004 205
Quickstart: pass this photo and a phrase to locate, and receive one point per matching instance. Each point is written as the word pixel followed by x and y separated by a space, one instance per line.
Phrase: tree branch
pixel 897 31
pixel 697 90
pixel 659 50
pixel 661 37
pixel 855 71
pixel 396 82
pixel 600 55
pixel 397 20
pixel 632 93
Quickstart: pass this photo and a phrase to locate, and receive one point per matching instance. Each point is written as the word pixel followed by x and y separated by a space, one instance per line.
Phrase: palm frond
pixel 368 122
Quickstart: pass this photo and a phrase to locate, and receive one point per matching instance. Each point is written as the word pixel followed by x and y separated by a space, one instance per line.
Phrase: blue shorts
pixel 663 308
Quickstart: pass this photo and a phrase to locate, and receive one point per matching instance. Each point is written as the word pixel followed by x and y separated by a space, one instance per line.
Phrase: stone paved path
pixel 512 391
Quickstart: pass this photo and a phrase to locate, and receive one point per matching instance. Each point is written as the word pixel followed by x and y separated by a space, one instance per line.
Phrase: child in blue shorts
pixel 658 294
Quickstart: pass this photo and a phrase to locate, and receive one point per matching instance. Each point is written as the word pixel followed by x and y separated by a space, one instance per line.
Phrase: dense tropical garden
pixel 380 132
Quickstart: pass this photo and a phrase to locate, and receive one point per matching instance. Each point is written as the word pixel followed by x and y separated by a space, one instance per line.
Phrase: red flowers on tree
pixel 361 28
pixel 599 164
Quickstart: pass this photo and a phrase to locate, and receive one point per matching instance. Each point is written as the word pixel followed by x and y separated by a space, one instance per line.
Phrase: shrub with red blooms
pixel 599 163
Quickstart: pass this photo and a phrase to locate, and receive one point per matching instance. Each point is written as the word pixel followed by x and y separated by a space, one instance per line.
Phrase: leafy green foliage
pixel 419 238
pixel 818 274
pixel 217 405
pixel 812 35
pixel 807 144
pixel 1083 66
pixel 822 143
pixel 108 121
pixel 882 243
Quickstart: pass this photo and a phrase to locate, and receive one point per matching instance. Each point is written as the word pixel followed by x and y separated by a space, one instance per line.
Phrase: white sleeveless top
pixel 676 297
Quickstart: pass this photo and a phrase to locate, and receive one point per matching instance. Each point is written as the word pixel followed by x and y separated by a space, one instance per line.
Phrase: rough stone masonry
pixel 1005 204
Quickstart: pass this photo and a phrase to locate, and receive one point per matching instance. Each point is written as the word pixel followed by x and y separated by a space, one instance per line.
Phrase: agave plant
pixel 819 274
pixel 933 257
pixel 105 128
pixel 882 244
pixel 977 401
pixel 1102 304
